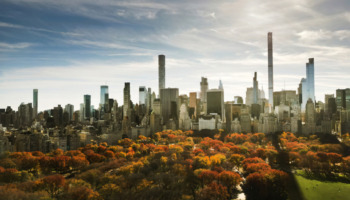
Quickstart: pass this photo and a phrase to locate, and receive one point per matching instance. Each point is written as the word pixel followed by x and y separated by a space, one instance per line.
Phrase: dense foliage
pixel 170 165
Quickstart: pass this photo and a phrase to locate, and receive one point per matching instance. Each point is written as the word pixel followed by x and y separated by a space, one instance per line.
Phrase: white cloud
pixel 314 35
pixel 3 24
pixel 7 46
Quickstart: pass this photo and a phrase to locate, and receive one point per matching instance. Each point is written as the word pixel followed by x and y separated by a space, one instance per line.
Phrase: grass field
pixel 313 189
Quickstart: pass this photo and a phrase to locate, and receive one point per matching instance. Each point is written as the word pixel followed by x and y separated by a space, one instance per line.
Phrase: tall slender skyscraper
pixel 35 103
pixel 270 67
pixel 255 89
pixel 161 70
pixel 310 77
pixel 126 104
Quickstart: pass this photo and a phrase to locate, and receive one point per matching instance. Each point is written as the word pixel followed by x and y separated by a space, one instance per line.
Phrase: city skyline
pixel 65 60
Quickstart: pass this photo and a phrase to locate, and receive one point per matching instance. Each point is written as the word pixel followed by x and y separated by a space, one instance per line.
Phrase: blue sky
pixel 69 48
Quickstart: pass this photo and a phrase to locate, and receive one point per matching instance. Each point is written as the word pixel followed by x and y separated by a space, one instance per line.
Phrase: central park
pixel 185 165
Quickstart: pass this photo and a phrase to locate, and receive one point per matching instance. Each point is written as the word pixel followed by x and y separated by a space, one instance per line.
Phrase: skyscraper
pixel 215 102
pixel 310 78
pixel 270 67
pixel 193 99
pixel 304 96
pixel 255 89
pixel 104 94
pixel 161 70
pixel 69 109
pixel 308 84
pixel 142 95
pixel 87 106
pixel 326 102
pixel 204 89
pixel 343 99
pixel 35 103
pixel 126 104
pixel 221 86
pixel 249 95
pixel 82 112
pixel 169 103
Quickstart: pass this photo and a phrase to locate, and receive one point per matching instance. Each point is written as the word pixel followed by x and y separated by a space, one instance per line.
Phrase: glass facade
pixel 104 94
pixel 142 95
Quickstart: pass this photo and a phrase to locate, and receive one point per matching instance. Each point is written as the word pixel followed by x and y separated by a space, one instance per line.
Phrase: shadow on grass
pixel 293 188
pixel 323 177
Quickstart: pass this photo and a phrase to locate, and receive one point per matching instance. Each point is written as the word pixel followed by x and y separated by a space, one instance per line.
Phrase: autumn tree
pixel 256 167
pixel 78 162
pixel 208 176
pixel 53 184
pixel 83 193
pixel 236 159
pixel 266 185
pixel 213 191
pixel 230 180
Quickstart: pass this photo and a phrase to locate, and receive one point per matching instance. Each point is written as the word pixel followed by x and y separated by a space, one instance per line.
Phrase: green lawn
pixel 313 189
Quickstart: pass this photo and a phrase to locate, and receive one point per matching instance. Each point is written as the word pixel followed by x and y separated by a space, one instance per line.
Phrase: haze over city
pixel 69 48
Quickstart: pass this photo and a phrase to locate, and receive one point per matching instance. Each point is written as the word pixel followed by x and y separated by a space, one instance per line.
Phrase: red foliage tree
pixel 208 176
pixel 230 180
pixel 256 167
pixel 77 162
pixel 247 161
pixel 52 184
pixel 269 184
pixel 83 193
pixel 213 191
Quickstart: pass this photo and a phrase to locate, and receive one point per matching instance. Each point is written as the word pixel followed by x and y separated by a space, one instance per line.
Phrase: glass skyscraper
pixel 104 94
pixel 308 84
pixel 310 78
pixel 142 95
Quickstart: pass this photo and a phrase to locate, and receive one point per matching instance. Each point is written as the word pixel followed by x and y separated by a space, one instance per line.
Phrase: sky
pixel 69 48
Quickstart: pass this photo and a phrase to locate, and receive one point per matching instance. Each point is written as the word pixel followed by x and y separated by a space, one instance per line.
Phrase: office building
pixel 204 89
pixel 169 104
pixel 70 110
pixel 343 99
pixel 215 102
pixel 142 95
pixel 285 97
pixel 104 96
pixel 87 107
pixel 81 112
